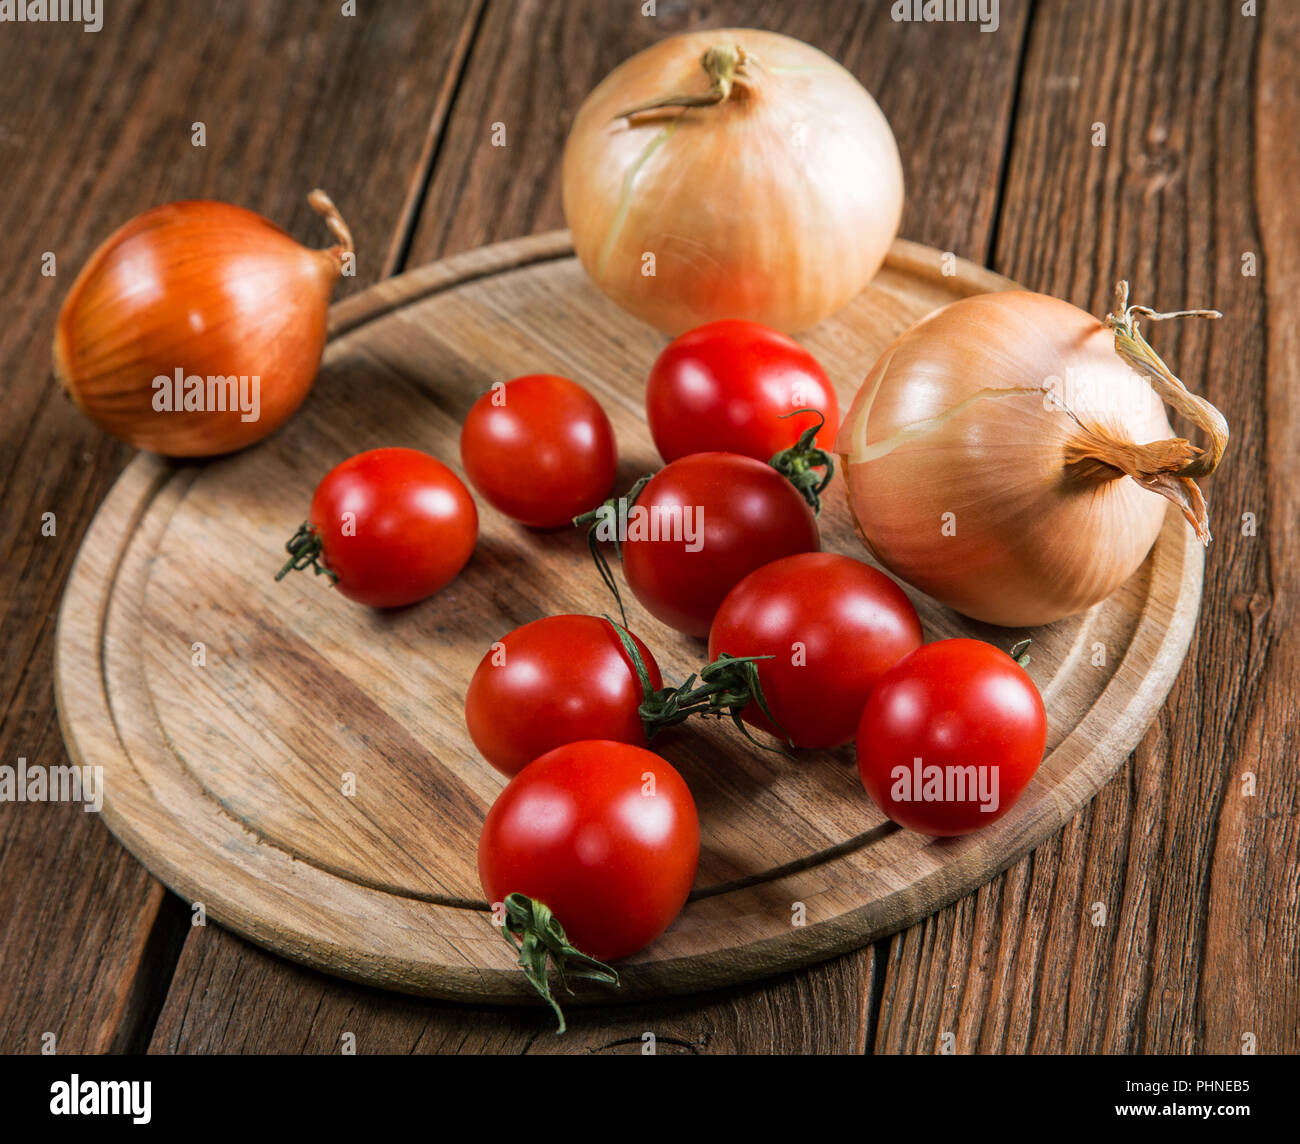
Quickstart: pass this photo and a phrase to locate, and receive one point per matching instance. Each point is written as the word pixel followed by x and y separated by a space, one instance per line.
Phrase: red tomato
pixel 555 681
pixel 954 728
pixel 393 525
pixel 539 449
pixel 725 386
pixel 701 525
pixel 605 834
pixel 833 626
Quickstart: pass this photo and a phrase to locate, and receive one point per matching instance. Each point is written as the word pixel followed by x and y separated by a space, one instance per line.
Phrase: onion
pixel 198 327
pixel 731 174
pixel 1004 454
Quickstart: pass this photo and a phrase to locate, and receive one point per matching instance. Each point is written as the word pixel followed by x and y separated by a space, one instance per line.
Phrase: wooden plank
pixel 952 150
pixel 93 129
pixel 1249 978
pixel 311 1013
pixel 1199 942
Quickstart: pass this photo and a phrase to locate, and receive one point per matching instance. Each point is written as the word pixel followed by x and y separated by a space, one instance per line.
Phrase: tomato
pixel 833 626
pixel 539 449
pixel 555 681
pixel 954 728
pixel 725 387
pixel 390 526
pixel 605 834
pixel 702 524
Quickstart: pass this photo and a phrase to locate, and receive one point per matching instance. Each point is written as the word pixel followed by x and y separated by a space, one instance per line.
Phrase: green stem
pixel 726 687
pixel 538 938
pixel 593 521
pixel 304 549
pixel 799 462
pixel 1020 652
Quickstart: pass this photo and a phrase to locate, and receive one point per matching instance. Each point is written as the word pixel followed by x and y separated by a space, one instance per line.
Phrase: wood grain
pixel 1198 946
pixel 311 1013
pixel 1250 981
pixel 93 129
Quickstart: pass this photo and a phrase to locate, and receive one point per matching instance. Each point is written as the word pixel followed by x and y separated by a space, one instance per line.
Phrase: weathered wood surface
pixel 1199 885
pixel 1201 936
pixel 94 128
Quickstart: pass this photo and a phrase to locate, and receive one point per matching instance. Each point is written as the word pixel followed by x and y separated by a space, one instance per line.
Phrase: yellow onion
pixel 731 174
pixel 1010 454
pixel 167 326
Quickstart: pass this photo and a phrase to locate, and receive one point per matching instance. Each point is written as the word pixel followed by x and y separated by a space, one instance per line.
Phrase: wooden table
pixel 1162 919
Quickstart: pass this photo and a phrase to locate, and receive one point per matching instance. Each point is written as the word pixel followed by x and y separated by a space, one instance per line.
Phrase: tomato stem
pixel 1020 652
pixel 726 687
pixel 797 463
pixel 536 935
pixel 608 514
pixel 304 549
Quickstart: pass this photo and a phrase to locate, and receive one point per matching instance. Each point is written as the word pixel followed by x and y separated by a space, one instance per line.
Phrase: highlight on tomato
pixel 388 527
pixel 730 386
pixel 539 449
pixel 691 532
pixel 587 856
pixel 554 681
pixel 951 736
pixel 830 627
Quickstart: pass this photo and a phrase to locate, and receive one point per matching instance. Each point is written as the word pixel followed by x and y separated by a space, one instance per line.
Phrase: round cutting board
pixel 300 764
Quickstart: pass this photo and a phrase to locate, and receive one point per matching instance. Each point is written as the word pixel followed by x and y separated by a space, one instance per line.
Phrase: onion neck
pixel 1094 456
pixel 324 206
pixel 1135 351
pixel 1165 467
pixel 724 65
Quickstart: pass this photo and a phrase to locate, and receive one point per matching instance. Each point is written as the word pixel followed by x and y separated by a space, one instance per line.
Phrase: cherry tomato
pixel 392 526
pixel 832 625
pixel 605 834
pixel 539 449
pixel 557 680
pixel 950 737
pixel 701 525
pixel 725 386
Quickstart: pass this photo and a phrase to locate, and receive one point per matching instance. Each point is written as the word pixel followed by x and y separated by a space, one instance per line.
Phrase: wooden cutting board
pixel 226 709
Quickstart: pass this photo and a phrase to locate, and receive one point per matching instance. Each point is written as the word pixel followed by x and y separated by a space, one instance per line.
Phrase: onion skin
pixel 1038 535
pixel 205 287
pixel 776 205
